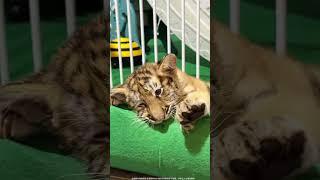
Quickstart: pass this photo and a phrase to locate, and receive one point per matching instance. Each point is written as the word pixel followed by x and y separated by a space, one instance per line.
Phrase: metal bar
pixel 119 39
pixel 183 48
pixel 111 82
pixel 198 41
pixel 235 16
pixel 142 31
pixel 70 16
pixel 130 35
pixel 36 35
pixel 168 28
pixel 106 5
pixel 3 49
pixel 281 26
pixel 155 31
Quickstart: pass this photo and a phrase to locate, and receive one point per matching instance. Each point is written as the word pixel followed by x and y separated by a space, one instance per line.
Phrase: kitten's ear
pixel 118 95
pixel 168 64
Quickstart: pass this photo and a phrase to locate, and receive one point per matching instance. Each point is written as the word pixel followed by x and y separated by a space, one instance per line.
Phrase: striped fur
pixel 66 101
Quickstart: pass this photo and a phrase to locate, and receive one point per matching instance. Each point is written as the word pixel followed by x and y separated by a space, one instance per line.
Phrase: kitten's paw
pixel 23 118
pixel 275 159
pixel 187 114
pixel 118 96
pixel 271 149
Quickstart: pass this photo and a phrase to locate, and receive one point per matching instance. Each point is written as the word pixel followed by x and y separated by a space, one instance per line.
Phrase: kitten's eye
pixel 158 92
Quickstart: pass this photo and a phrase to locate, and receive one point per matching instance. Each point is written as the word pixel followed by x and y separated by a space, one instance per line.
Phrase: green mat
pixel 160 151
pixel 18 162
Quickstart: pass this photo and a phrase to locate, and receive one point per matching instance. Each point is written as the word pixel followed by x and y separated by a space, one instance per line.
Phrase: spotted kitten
pixel 158 91
pixel 66 101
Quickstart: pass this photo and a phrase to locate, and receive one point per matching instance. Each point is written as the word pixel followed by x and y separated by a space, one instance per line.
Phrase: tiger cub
pixel 266 111
pixel 157 91
pixel 66 101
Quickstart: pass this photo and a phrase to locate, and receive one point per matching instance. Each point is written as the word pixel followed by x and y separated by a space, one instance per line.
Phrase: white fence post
pixel 130 35
pixel 106 6
pixel 36 34
pixel 3 49
pixel 183 48
pixel 142 31
pixel 235 16
pixel 70 16
pixel 168 28
pixel 155 31
pixel 118 37
pixel 281 26
pixel 198 41
pixel 111 82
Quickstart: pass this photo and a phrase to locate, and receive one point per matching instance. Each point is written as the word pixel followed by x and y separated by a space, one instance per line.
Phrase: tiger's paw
pixel 275 159
pixel 187 114
pixel 272 149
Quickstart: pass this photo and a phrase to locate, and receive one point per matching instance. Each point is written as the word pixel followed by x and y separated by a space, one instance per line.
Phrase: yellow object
pixel 125 48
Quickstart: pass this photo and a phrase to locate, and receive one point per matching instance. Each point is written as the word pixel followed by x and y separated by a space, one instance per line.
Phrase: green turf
pixel 161 151
pixel 19 162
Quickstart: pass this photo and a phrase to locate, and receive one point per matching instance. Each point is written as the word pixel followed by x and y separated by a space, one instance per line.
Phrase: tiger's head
pixel 152 90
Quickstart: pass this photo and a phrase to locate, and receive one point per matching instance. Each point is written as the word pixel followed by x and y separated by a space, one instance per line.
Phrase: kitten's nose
pixel 157 114
pixel 155 109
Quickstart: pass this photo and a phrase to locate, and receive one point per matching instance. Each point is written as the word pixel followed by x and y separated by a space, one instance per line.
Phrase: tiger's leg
pixel 23 117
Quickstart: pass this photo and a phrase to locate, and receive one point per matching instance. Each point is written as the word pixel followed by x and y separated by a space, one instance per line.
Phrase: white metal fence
pixel 281 12
pixel 35 34
pixel 153 4
pixel 281 20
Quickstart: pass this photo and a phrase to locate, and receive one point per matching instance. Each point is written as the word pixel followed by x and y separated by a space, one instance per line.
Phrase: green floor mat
pixel 160 151
pixel 19 162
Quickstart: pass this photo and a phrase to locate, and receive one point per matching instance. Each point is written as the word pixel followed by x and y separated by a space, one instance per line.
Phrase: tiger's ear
pixel 168 64
pixel 118 95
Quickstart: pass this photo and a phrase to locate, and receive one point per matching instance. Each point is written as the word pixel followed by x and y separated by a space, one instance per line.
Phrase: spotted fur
pixel 66 101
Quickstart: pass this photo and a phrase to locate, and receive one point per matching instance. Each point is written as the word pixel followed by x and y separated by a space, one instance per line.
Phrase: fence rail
pixel 281 12
pixel 35 35
pixel 281 22
pixel 155 34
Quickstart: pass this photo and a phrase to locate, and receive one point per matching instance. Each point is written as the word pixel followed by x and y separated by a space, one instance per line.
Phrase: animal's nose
pixel 155 110
pixel 158 92
pixel 157 114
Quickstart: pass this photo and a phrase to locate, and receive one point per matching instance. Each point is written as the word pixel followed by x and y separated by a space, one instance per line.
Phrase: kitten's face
pixel 152 91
